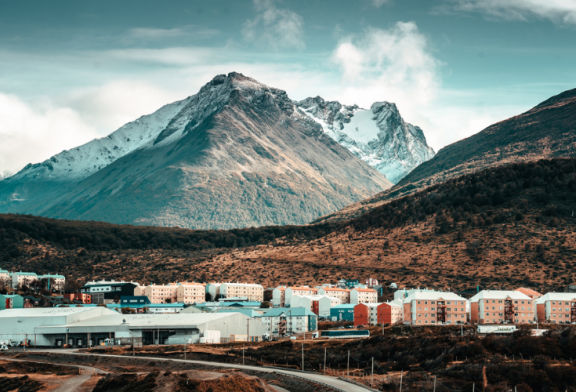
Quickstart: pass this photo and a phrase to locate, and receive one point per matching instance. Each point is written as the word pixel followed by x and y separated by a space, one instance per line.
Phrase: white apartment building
pixel 278 295
pixel 252 291
pixel 301 291
pixel 58 281
pixel 318 304
pixel 556 308
pixel 336 292
pixel 289 321
pixel 5 278
pixel 363 296
pixel 20 279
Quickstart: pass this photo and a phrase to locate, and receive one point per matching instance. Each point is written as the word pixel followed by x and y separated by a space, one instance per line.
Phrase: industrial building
pixel 105 292
pixel 51 327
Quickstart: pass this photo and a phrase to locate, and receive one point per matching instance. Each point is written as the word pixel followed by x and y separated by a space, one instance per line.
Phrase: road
pixel 72 384
pixel 332 382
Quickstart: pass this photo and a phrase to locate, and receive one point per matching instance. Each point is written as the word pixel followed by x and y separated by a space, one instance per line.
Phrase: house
pixel 529 292
pixel 301 291
pixel 371 282
pixel 288 321
pixel 318 304
pixel 83 298
pixel 105 292
pixel 377 313
pixel 336 292
pixel 434 308
pixel 556 308
pixel 343 312
pixel 502 306
pixel 358 296
pixel 13 301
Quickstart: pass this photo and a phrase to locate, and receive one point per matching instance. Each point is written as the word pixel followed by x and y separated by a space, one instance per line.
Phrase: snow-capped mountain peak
pixel 379 136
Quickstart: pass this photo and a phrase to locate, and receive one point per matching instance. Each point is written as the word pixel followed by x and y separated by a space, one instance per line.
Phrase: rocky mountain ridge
pixel 379 136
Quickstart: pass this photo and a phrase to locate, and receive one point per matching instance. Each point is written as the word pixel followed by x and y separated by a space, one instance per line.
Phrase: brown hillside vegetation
pixel 499 228
pixel 545 131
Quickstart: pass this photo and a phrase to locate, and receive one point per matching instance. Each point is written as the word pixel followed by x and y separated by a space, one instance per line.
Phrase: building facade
pixel 20 279
pixel 434 308
pixel 344 312
pixel 301 291
pixel 84 298
pixel 390 312
pixel 502 307
pixel 106 292
pixel 56 281
pixel 336 292
pixel 278 297
pixel 5 278
pixel 188 293
pixel 363 296
pixel 251 291
pixel 289 321
pixel 556 308
pixel 318 304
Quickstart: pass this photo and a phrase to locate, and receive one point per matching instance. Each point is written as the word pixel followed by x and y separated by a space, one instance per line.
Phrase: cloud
pixel 558 11
pixel 395 65
pixel 379 3
pixel 149 33
pixel 274 27
pixel 31 134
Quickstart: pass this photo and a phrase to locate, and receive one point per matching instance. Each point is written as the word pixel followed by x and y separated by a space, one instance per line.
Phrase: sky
pixel 75 70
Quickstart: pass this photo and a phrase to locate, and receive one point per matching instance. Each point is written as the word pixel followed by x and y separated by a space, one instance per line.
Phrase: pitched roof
pixel 499 294
pixel 291 312
pixel 529 292
pixel 365 290
pixel 556 297
pixel 433 295
pixel 333 289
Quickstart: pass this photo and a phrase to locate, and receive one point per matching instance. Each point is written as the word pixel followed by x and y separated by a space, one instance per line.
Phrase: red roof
pixel 529 292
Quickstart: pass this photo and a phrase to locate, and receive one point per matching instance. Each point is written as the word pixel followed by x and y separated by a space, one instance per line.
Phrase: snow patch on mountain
pixel 379 136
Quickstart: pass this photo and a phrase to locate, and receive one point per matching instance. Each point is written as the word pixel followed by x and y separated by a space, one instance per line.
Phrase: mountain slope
pixel 546 131
pixel 236 154
pixel 502 227
pixel 378 136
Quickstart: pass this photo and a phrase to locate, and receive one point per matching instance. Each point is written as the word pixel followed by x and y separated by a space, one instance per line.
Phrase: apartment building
pixel 529 292
pixel 5 278
pixel 251 291
pixel 84 298
pixel 402 294
pixel 301 291
pixel 502 306
pixel 318 304
pixel 288 321
pixel 188 293
pixel 213 289
pixel 363 296
pixel 377 313
pixel 278 297
pixel 336 292
pixel 57 281
pixel 344 312
pixel 435 308
pixel 20 279
pixel 557 308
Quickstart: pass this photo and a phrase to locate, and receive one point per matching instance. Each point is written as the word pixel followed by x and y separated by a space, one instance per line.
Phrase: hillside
pixel 545 131
pixel 237 154
pixel 502 227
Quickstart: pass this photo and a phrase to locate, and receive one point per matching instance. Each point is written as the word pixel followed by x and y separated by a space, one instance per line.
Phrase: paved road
pixel 335 383
pixel 72 384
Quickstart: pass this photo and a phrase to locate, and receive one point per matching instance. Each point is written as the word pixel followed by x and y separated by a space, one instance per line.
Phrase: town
pixel 41 310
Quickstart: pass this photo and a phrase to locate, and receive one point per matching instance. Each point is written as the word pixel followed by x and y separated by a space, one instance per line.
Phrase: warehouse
pixel 82 326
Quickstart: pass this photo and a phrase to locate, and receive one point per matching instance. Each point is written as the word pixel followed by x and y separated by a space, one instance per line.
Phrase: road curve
pixel 332 382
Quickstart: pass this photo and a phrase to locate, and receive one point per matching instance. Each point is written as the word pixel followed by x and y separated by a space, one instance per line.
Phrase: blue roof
pixel 292 312
pixel 53 276
pixel 344 306
pixel 25 273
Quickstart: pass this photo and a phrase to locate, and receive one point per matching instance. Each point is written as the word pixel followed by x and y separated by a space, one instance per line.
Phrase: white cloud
pixel 277 28
pixel 379 3
pixel 394 65
pixel 149 33
pixel 562 11
pixel 31 134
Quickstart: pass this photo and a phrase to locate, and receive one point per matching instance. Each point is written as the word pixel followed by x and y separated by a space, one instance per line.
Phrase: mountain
pixel 236 154
pixel 503 227
pixel 378 136
pixel 545 131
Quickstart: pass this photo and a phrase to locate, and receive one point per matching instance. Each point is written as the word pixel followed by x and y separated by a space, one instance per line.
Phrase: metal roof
pixel 293 312
pixel 499 294
pixel 344 306
pixel 433 295
pixel 246 312
pixel 43 312
pixel 556 297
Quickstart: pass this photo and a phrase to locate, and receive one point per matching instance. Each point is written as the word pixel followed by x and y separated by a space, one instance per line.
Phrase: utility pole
pixel 401 376
pixel 242 354
pixel 324 360
pixel 435 385
pixel 302 356
pixel 248 330
pixel 348 366
pixel 372 381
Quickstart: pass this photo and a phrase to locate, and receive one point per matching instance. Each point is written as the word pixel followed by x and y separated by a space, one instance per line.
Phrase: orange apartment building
pixel 435 308
pixel 502 307
pixel 85 298
pixel 363 296
pixel 336 292
pixel 556 308
pixel 188 293
pixel 377 313
pixel 303 291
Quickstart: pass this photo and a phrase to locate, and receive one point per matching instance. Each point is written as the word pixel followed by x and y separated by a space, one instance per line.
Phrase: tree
pixel 265 305
pixel 168 300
